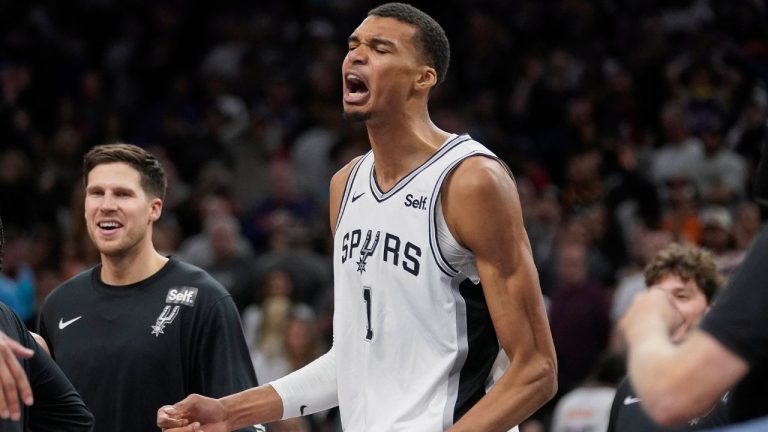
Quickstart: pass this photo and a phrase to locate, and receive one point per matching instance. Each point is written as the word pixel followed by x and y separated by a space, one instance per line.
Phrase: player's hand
pixel 653 302
pixel 194 414
pixel 13 379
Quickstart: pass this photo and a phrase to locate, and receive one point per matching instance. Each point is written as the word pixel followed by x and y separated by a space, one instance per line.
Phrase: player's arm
pixel 305 391
pixel 308 390
pixel 57 405
pixel 482 209
pixel 675 382
pixel 14 383
pixel 40 341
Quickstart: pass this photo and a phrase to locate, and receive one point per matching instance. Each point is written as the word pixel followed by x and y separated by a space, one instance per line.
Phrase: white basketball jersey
pixel 415 345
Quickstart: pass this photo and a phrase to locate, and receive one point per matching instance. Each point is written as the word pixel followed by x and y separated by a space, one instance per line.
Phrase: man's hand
pixel 13 379
pixel 648 306
pixel 194 414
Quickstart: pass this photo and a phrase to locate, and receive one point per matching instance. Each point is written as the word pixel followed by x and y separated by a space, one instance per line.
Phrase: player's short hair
pixel 430 39
pixel 153 179
pixel 689 263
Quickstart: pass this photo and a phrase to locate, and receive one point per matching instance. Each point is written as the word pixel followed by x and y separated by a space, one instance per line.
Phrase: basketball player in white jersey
pixel 439 322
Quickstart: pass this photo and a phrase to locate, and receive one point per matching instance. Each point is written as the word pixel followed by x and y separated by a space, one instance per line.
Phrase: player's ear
pixel 155 209
pixel 427 78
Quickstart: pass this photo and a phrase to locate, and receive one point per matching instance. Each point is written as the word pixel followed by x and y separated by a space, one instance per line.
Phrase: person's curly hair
pixel 688 263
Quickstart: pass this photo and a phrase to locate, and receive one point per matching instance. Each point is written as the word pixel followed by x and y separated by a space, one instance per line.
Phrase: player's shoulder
pixel 479 174
pixel 338 185
pixel 182 273
pixel 10 323
pixel 342 175
pixel 72 289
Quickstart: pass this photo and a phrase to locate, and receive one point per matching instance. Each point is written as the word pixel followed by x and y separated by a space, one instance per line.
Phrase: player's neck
pixel 401 145
pixel 132 266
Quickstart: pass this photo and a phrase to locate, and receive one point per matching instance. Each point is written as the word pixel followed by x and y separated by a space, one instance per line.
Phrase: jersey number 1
pixel 367 300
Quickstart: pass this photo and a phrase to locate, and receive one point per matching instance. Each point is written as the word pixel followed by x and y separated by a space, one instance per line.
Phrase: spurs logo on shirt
pixel 367 250
pixel 178 296
pixel 166 317
pixel 395 251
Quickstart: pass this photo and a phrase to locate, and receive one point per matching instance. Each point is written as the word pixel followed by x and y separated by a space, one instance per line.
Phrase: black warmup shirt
pixel 627 414
pixel 57 405
pixel 739 321
pixel 131 349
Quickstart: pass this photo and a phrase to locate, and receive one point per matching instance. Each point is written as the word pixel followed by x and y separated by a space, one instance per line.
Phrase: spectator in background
pixel 646 243
pixel 578 316
pixel 264 321
pixel 583 185
pixel 284 196
pixel 588 406
pixel 720 174
pixel 17 282
pixel 681 151
pixel 747 225
pixel 291 249
pixel 631 198
pixel 211 208
pixel 582 227
pixel 232 259
pixel 681 214
pixel 689 277
pixel 717 237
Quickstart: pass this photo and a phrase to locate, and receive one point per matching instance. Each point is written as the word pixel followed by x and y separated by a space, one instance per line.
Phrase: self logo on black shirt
pixel 181 295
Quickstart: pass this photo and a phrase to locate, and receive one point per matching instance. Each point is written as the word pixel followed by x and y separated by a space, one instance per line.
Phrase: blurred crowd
pixel 628 124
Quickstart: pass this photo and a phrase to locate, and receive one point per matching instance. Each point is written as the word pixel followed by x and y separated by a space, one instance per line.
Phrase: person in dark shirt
pixel 690 277
pixel 728 351
pixel 27 372
pixel 140 329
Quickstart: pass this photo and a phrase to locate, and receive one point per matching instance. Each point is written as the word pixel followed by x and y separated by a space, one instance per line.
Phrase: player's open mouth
pixel 356 90
pixel 109 226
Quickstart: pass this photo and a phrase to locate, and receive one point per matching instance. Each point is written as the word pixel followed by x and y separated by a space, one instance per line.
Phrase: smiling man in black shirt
pixel 140 330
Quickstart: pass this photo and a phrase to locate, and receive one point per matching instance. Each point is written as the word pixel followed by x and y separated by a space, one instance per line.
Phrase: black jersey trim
pixel 482 349
pixel 348 186
pixel 434 244
pixel 383 196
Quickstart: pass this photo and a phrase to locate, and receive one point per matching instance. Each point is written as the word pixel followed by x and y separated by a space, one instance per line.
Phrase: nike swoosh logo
pixel 302 408
pixel 354 198
pixel 629 400
pixel 63 324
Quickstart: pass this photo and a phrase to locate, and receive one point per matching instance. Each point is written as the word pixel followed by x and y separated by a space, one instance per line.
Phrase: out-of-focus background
pixel 628 124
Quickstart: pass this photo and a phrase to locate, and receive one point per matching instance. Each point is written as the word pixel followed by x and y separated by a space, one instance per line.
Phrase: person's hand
pixel 647 306
pixel 194 414
pixel 13 379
